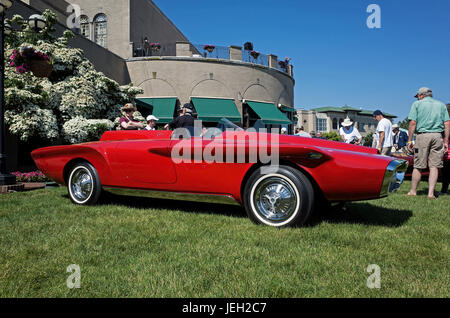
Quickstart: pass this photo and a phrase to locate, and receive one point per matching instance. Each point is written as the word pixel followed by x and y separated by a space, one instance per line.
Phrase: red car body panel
pixel 143 160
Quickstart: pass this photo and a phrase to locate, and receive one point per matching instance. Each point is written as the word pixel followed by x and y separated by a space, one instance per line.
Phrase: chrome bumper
pixel 393 177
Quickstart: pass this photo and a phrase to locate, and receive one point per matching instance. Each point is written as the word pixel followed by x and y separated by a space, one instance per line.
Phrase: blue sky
pixel 337 59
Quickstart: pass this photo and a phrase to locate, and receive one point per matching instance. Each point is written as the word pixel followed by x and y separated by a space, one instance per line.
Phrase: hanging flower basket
pixel 255 54
pixel 28 59
pixel 41 68
pixel 209 48
pixel 155 46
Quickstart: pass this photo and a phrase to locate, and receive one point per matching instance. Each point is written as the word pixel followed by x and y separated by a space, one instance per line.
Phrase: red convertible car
pixel 224 163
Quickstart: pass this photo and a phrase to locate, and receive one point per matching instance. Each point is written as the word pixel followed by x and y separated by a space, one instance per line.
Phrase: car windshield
pixel 225 124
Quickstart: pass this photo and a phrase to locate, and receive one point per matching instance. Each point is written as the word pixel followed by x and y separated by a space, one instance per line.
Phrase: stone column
pixel 183 49
pixel 235 53
pixel 273 61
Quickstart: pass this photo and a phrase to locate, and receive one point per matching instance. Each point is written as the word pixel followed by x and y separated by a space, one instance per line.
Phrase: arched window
pixel 335 124
pixel 84 26
pixel 100 32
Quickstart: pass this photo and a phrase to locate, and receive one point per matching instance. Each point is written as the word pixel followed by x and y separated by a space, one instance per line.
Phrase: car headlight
pixel 393 177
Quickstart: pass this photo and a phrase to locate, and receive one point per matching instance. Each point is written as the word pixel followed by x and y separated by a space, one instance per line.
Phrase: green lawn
pixel 160 248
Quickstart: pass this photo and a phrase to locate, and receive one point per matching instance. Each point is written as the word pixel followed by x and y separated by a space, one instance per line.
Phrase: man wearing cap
pixel 151 123
pixel 400 139
pixel 185 120
pixel 384 133
pixel 430 120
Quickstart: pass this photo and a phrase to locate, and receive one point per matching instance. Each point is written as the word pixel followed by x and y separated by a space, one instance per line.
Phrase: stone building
pixel 219 81
pixel 329 119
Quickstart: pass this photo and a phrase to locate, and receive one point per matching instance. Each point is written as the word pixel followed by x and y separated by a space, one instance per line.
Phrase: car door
pixel 144 163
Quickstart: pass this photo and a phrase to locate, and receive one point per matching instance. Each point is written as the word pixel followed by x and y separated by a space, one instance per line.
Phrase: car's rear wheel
pixel 280 198
pixel 84 184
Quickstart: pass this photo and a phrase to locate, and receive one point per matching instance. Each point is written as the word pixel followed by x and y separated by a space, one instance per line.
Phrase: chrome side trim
pixel 179 196
pixel 393 177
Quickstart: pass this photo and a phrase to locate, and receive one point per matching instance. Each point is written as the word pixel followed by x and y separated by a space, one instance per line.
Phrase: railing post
pixel 291 70
pixel 273 61
pixel 235 53
pixel 183 49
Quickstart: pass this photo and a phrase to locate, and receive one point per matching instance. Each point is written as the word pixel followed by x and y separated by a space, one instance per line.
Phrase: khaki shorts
pixel 429 151
pixel 386 151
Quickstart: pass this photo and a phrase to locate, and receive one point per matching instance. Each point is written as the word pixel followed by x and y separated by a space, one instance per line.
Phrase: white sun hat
pixel 151 117
pixel 347 122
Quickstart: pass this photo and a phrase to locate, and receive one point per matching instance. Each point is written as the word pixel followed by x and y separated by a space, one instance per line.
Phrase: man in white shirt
pixel 384 132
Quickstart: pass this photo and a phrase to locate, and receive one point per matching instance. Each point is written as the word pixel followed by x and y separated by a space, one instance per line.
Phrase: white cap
pixel 151 117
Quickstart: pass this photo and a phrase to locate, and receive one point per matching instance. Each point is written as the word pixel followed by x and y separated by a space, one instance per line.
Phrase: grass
pixel 165 248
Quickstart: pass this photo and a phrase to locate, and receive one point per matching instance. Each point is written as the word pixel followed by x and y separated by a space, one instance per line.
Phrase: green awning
pixel 214 109
pixel 269 113
pixel 287 109
pixel 162 108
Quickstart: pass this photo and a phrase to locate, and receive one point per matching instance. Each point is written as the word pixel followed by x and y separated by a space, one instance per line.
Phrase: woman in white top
pixel 349 133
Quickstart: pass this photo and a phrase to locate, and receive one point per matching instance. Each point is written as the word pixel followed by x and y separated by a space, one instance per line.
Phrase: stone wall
pixel 186 77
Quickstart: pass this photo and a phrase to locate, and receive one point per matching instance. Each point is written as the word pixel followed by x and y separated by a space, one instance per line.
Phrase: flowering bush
pixel 155 46
pixel 36 176
pixel 74 94
pixel 21 58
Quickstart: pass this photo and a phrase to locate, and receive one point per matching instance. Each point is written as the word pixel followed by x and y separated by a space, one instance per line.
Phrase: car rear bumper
pixel 393 177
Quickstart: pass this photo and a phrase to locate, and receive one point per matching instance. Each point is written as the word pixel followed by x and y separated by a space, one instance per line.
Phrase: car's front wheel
pixel 84 184
pixel 280 198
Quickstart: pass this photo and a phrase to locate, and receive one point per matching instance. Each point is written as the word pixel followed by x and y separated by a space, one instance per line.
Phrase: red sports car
pixel 277 178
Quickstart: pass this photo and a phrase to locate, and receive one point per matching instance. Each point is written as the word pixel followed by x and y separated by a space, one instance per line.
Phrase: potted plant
pixel 255 54
pixel 155 46
pixel 28 59
pixel 208 47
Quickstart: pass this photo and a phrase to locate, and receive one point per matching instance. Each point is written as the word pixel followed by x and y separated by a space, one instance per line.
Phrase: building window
pixel 321 124
pixel 84 26
pixel 335 124
pixel 100 33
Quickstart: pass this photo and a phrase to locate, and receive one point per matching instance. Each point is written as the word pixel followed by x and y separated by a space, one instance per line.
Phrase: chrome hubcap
pixel 275 199
pixel 81 185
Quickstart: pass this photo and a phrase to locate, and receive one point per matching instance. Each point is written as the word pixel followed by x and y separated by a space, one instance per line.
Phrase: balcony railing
pixel 234 53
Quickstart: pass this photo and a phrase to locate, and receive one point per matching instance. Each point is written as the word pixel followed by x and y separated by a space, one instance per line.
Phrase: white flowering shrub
pixel 75 104
pixel 80 129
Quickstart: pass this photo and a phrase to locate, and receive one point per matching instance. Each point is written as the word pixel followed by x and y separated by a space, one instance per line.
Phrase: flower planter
pixel 255 55
pixel 41 68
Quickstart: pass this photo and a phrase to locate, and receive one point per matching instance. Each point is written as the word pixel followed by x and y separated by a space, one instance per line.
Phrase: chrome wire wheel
pixel 275 199
pixel 81 185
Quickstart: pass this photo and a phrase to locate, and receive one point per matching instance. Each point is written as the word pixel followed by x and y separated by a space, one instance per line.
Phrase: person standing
pixel 400 139
pixel 446 169
pixel 185 120
pixel 384 132
pixel 430 120
pixel 300 132
pixel 349 133
pixel 151 123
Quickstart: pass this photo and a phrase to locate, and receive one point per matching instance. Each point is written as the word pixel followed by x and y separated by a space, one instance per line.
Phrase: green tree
pixel 404 123
pixel 75 104
pixel 332 136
